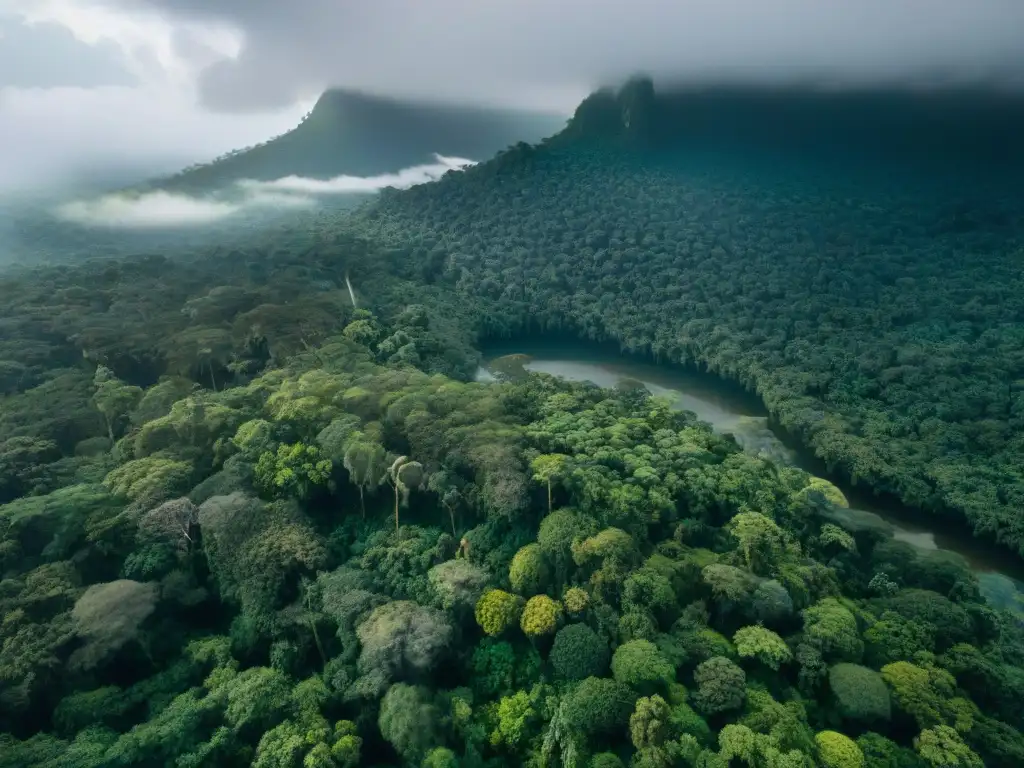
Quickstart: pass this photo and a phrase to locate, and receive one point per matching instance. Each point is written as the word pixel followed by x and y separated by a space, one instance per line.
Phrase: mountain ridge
pixel 971 125
pixel 360 134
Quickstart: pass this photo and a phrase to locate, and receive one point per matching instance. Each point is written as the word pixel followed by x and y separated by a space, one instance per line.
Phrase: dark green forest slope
pixel 247 524
pixel 359 134
pixel 877 309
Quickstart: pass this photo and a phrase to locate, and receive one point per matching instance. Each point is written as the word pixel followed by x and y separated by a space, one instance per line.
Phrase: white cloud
pixel 506 50
pixel 407 177
pixel 49 134
pixel 277 200
pixel 149 210
pixel 153 48
pixel 161 209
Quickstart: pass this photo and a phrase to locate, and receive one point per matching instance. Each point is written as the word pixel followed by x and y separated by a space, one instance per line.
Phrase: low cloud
pixel 408 177
pixel 151 210
pixel 161 209
pixel 525 52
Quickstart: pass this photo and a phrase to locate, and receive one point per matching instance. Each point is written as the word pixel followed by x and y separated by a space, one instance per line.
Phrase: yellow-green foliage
pixel 540 616
pixel 496 611
pixel 762 644
pixel 610 544
pixel 575 600
pixel 293 469
pixel 943 747
pixel 528 571
pixel 838 751
pixel 831 493
pixel 149 479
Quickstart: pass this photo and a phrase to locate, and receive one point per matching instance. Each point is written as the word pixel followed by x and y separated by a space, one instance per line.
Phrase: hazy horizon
pixel 151 84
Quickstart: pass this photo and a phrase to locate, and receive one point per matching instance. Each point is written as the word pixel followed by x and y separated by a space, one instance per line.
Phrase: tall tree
pixel 366 464
pixel 404 476
pixel 114 399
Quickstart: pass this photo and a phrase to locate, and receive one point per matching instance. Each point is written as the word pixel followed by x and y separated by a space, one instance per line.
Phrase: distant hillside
pixel 955 128
pixel 362 135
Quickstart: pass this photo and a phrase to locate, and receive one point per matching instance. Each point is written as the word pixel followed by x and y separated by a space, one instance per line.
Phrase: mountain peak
pixel 627 113
pixel 360 134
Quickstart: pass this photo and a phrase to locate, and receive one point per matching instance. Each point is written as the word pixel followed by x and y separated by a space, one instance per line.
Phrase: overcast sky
pixel 86 82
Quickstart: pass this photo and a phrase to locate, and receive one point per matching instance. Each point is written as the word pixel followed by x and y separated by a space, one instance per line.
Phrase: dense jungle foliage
pixel 244 522
pixel 247 524
pixel 879 315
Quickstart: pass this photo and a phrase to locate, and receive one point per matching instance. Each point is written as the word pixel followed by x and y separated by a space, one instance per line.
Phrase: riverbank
pixel 729 408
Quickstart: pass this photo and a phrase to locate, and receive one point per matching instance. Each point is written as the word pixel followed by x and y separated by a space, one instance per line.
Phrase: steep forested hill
pixel 874 299
pixel 361 135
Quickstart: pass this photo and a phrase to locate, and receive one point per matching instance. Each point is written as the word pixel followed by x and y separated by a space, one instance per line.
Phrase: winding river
pixel 730 409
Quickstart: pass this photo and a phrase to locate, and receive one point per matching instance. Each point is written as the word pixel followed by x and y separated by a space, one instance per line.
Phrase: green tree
pixel 528 572
pixel 254 697
pixel 650 722
pixel 860 693
pixel 515 717
pixel 771 603
pixel 113 398
pixel 540 616
pixel 942 747
pixel 458 584
pixel 880 752
pixel 761 540
pixel 893 638
pixel 364 331
pixel 737 741
pixel 440 757
pixel 497 610
pixel 832 628
pixel 173 522
pixel 409 721
pixel 336 437
pixel 578 652
pixel 109 615
pixel 256 549
pixel 721 685
pixel 494 667
pixel 448 486
pixel 150 480
pixel 404 476
pixel 366 464
pixel 731 587
pixel 832 537
pixel 575 600
pixel 640 665
pixel 402 639
pixel 293 470
pixel 253 438
pixel 547 468
pixel 647 589
pixel 838 751
pixel 597 705
pixel 557 535
pixel 611 544
pixel 921 692
pixel 762 644
pixel 951 623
